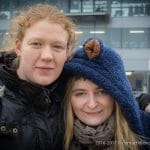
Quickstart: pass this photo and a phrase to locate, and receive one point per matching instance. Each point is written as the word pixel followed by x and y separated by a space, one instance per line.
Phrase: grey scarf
pixel 95 137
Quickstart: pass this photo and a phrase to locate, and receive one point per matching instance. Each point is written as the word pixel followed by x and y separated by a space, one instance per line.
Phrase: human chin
pixel 93 122
pixel 45 81
pixel 41 80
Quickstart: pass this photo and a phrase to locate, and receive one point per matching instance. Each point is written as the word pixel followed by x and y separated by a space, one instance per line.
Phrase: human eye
pixel 36 44
pixel 79 94
pixel 59 48
pixel 101 92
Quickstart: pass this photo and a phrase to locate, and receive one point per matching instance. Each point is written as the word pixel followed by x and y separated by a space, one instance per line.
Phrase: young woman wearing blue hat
pixel 100 109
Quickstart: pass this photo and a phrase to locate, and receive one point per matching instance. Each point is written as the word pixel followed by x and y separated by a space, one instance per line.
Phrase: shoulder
pixel 75 145
pixel 145 120
pixel 7 58
pixel 143 100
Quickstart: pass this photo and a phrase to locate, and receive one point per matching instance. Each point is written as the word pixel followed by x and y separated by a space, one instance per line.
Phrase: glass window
pixel 130 8
pixel 137 80
pixel 135 38
pixel 116 9
pixel 87 6
pixel 135 9
pixel 2 35
pixel 4 4
pixel 75 6
pixel 100 6
pixel 147 9
pixel 114 37
pixel 4 15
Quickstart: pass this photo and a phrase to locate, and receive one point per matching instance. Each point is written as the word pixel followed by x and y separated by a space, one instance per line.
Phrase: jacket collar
pixel 29 93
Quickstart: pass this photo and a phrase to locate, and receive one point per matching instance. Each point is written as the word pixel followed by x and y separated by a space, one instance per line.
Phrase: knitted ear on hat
pixel 92 48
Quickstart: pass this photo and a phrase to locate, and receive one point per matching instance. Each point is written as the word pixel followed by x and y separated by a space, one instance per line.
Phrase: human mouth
pixel 45 69
pixel 94 112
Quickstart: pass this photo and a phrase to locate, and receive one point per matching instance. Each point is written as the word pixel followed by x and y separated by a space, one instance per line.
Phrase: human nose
pixel 92 102
pixel 47 53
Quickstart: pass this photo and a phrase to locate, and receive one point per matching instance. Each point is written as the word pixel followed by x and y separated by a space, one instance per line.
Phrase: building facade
pixel 122 24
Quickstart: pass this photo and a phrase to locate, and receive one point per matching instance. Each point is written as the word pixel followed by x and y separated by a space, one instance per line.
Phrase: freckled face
pixel 42 52
pixel 91 104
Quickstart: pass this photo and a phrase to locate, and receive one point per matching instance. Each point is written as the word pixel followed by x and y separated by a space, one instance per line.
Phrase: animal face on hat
pixel 92 48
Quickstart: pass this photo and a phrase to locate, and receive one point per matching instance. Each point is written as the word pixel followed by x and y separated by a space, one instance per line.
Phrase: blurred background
pixel 123 25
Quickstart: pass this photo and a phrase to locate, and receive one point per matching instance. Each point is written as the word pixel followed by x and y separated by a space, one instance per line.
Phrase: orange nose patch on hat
pixel 92 48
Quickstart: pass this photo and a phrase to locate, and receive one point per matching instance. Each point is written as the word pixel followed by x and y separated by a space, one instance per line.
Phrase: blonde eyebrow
pixel 35 38
pixel 76 90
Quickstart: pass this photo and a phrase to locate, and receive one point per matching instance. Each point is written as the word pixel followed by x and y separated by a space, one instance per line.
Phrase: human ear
pixel 18 47
pixel 70 53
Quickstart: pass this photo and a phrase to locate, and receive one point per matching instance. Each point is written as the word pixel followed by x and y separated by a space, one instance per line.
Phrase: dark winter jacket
pixel 29 114
pixel 143 100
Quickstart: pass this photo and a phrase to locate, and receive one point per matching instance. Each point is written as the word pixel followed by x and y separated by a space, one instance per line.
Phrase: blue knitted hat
pixel 104 67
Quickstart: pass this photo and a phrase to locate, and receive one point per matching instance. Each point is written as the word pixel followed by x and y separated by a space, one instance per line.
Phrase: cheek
pixel 110 107
pixel 76 105
pixel 31 55
pixel 27 58
pixel 108 103
pixel 61 58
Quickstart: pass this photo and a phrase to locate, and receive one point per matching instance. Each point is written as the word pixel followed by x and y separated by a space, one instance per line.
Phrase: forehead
pixel 84 83
pixel 47 29
pixel 45 24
